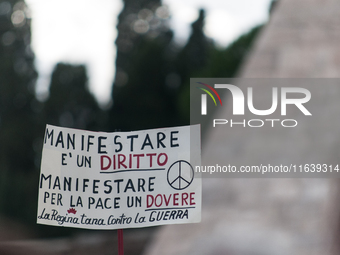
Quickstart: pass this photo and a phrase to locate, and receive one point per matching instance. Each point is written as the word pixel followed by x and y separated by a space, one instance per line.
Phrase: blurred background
pixel 105 65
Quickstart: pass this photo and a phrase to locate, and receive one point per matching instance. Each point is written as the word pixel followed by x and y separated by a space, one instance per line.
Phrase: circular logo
pixel 180 175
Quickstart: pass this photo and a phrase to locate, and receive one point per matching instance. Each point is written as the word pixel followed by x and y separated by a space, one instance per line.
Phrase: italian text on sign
pixel 98 180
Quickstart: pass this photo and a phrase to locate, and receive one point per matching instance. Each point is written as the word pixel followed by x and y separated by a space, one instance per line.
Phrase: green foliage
pixel 70 103
pixel 230 59
pixel 18 110
pixel 143 92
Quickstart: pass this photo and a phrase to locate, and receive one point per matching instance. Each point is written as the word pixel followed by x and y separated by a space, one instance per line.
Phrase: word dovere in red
pixel 176 199
pixel 121 161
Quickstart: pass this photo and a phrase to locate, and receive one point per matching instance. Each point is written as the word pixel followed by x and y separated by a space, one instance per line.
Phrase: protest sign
pixel 98 180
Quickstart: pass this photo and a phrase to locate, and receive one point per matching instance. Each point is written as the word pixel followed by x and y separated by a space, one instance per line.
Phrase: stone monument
pixel 272 216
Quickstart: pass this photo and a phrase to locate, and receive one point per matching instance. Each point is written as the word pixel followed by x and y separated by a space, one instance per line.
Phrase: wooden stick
pixel 120 242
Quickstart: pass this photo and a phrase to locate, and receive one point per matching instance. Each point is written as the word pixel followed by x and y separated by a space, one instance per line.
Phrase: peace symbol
pixel 180 175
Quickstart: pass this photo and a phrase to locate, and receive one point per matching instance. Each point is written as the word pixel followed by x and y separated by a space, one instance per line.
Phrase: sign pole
pixel 120 242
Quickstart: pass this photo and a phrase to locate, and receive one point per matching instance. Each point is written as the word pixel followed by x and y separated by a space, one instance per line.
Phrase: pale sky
pixel 84 31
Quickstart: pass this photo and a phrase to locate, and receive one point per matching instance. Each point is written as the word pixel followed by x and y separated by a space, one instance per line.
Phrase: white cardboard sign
pixel 98 180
